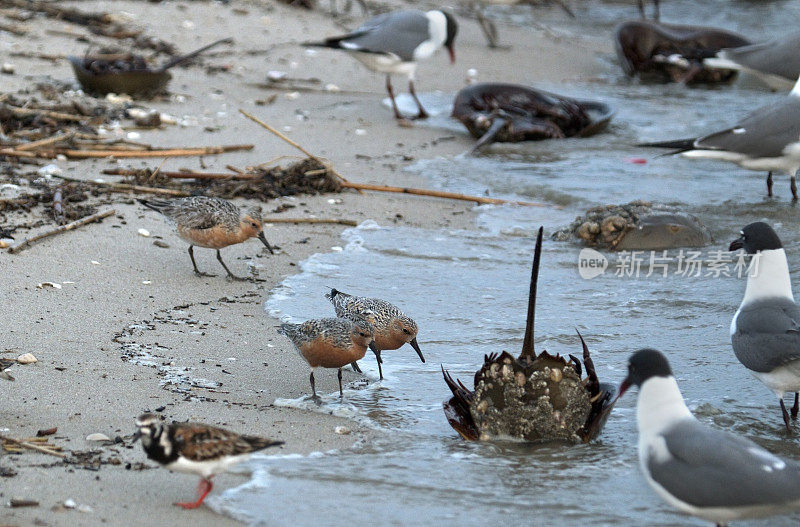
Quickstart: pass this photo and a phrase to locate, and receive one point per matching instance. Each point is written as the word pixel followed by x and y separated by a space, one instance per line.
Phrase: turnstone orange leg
pixel 203 488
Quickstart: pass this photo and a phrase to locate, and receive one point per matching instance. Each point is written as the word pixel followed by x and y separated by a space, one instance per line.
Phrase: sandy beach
pixel 125 300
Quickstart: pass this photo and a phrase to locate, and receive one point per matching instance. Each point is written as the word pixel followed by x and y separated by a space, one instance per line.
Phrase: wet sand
pixel 90 377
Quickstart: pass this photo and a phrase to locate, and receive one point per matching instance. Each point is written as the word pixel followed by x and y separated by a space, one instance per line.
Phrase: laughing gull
pixel 394 42
pixel 708 473
pixel 766 140
pixel 776 62
pixel 765 331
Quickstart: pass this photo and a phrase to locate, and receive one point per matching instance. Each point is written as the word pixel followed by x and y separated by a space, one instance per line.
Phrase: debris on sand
pixel 638 225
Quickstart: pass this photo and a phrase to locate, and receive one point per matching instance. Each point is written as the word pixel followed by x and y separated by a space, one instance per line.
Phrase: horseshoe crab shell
pixel 531 397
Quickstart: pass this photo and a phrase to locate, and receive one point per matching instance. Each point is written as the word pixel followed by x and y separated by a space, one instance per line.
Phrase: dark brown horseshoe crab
pixel 671 53
pixel 531 397
pixel 512 113
pixel 126 72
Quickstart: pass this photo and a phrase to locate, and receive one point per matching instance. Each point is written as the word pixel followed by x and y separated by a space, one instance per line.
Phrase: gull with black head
pixel 393 43
pixel 765 331
pixel 708 473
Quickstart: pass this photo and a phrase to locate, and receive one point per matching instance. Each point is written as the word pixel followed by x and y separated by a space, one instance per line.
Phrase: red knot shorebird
pixel 329 343
pixel 196 448
pixel 392 327
pixel 212 223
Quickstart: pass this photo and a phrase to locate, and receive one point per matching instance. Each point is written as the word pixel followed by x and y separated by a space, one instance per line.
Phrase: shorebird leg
pixel 793 186
pixel 390 90
pixel 203 488
pixel 488 27
pixel 785 417
pixel 769 184
pixel 796 407
pixel 356 367
pixel 421 114
pixel 230 274
pixel 378 358
pixel 196 270
pixel 339 375
pixel 314 395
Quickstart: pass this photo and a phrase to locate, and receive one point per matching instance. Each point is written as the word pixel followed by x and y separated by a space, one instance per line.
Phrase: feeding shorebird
pixel 766 140
pixel 776 62
pixel 329 343
pixel 213 223
pixel 196 448
pixel 392 328
pixel 393 43
pixel 765 331
pixel 5 364
pixel 708 473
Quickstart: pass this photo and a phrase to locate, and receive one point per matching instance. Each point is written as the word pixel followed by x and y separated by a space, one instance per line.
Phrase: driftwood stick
pixel 125 187
pixel 58 116
pixel 169 152
pixel 63 228
pixel 440 194
pixel 350 223
pixel 180 175
pixel 33 145
pixel 31 446
pixel 294 144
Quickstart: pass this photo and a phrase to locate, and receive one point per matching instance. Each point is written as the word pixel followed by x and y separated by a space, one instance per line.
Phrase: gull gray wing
pixel 764 133
pixel 767 334
pixel 778 56
pixel 711 468
pixel 398 32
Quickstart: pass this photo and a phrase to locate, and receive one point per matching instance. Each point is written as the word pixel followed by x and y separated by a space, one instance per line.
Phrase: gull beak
pixel 414 345
pixel 137 435
pixel 452 53
pixel 264 240
pixel 736 244
pixel 623 387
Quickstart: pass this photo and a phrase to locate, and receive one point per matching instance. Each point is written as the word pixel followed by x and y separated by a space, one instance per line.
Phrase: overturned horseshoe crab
pixel 127 73
pixel 531 397
pixel 512 113
pixel 672 53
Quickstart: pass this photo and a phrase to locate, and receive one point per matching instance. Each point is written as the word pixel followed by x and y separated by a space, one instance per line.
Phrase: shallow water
pixel 468 290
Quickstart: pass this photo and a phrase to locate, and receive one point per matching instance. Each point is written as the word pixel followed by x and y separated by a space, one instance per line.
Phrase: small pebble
pixel 26 358
pixel 70 504
pixel 342 430
pixel 159 243
pixel 7 68
pixel 144 232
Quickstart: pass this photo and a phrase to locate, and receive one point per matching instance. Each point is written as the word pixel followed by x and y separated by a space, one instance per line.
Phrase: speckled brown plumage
pixel 393 328
pixel 329 343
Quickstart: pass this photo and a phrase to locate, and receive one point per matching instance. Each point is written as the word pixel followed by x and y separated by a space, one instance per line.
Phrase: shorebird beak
pixel 624 387
pixel 452 54
pixel 414 345
pixel 736 244
pixel 137 435
pixel 264 240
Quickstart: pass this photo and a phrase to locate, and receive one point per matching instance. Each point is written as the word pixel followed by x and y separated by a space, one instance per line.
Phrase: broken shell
pixel 70 504
pixel 483 406
pixel 97 437
pixel 26 358
pixel 4 244
pixel 144 232
pixel 44 285
pixel 521 378
pixel 342 430
pixel 556 375
pixel 7 68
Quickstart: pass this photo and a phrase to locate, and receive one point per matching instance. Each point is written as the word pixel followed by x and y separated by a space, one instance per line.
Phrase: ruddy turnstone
pixel 213 223
pixel 329 343
pixel 392 328
pixel 196 448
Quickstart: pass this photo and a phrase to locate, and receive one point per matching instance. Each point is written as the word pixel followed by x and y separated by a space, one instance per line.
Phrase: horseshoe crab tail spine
pixel 528 351
pixel 488 137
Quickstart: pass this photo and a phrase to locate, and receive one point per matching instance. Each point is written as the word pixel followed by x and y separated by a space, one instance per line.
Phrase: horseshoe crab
pixel 531 397
pixel 638 225
pixel 126 72
pixel 672 53
pixel 512 113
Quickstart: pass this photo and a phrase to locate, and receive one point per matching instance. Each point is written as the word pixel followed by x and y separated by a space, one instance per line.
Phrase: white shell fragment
pixel 342 430
pixel 48 285
pixel 27 358
pixel 144 232
pixel 7 68
pixel 97 437
pixel 70 504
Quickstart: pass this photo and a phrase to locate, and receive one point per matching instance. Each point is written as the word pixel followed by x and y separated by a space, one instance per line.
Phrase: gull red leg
pixel 390 90
pixel 203 488
pixel 422 114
